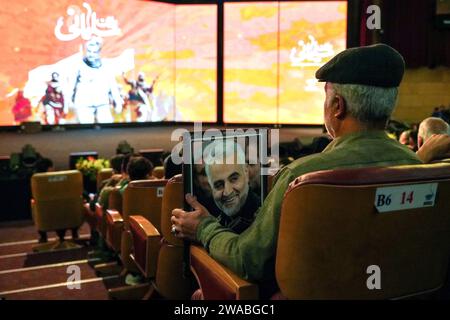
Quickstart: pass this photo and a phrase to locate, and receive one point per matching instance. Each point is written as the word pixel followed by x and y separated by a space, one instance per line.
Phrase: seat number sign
pixel 57 179
pixel 405 197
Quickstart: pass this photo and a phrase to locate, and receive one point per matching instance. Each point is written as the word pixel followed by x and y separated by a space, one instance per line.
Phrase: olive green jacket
pixel 252 254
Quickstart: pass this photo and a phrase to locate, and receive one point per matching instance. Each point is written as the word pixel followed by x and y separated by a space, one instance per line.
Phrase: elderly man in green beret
pixel 361 87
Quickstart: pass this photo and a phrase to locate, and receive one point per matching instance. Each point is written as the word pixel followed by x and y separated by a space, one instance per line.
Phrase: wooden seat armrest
pixel 148 229
pixel 217 281
pixel 113 217
pixel 146 243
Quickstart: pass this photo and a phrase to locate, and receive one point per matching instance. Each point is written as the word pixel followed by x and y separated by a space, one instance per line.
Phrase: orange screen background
pixel 271 52
pixel 265 80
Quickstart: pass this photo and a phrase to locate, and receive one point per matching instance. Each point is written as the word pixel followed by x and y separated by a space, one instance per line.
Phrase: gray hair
pixel 432 125
pixel 219 151
pixel 368 103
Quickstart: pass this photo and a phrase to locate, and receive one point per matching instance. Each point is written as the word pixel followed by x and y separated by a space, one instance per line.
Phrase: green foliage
pixel 90 167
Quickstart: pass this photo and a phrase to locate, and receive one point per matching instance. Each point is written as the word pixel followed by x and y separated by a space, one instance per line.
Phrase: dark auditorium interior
pixel 225 150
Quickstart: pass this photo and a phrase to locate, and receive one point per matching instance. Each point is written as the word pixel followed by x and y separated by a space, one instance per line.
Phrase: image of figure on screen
pixel 228 177
pixel 140 98
pixel 53 101
pixel 95 88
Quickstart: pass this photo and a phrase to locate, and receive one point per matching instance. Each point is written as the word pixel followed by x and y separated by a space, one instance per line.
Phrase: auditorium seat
pixel 158 254
pixel 89 214
pixel 331 249
pixel 103 175
pixel 141 197
pixel 218 282
pixel 338 227
pixel 170 281
pixel 57 204
pixel 96 218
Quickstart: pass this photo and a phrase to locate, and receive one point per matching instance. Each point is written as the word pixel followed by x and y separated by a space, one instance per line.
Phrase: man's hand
pixel 435 148
pixel 186 223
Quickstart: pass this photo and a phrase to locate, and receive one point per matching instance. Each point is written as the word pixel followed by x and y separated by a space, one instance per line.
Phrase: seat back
pixel 114 203
pixel 102 175
pixel 170 280
pixel 344 233
pixel 115 199
pixel 144 197
pixel 57 200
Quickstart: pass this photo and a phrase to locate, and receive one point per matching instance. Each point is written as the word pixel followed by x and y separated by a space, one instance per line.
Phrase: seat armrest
pixel 89 215
pixel 113 217
pixel 144 226
pixel 114 228
pixel 218 282
pixel 146 244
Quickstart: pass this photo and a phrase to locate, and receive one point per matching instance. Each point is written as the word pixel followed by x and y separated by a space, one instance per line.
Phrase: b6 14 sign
pixel 405 197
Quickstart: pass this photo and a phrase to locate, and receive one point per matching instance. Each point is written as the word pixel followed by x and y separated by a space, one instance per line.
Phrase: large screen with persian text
pixel 107 61
pixel 272 51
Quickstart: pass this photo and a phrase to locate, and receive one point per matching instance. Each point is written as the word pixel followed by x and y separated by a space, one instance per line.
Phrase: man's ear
pixel 340 110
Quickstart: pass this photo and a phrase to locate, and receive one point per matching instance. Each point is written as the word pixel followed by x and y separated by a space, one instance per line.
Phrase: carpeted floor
pixel 27 275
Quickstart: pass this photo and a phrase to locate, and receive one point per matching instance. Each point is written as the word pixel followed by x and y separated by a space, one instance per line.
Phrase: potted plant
pixel 89 167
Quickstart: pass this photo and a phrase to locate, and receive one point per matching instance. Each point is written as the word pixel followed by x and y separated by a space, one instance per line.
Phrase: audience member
pixel 431 126
pixel 443 114
pixel 361 91
pixel 436 113
pixel 407 138
pixel 437 147
pixel 138 168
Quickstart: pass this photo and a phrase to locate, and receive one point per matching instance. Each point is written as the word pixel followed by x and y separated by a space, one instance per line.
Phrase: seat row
pixel 351 233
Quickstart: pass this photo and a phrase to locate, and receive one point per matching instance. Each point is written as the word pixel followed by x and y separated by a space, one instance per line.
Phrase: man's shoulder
pixel 313 162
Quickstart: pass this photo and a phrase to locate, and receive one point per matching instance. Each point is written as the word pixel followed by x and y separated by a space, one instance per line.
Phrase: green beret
pixel 378 65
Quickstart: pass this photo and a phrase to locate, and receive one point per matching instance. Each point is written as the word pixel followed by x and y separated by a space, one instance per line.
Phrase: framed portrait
pixel 224 171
